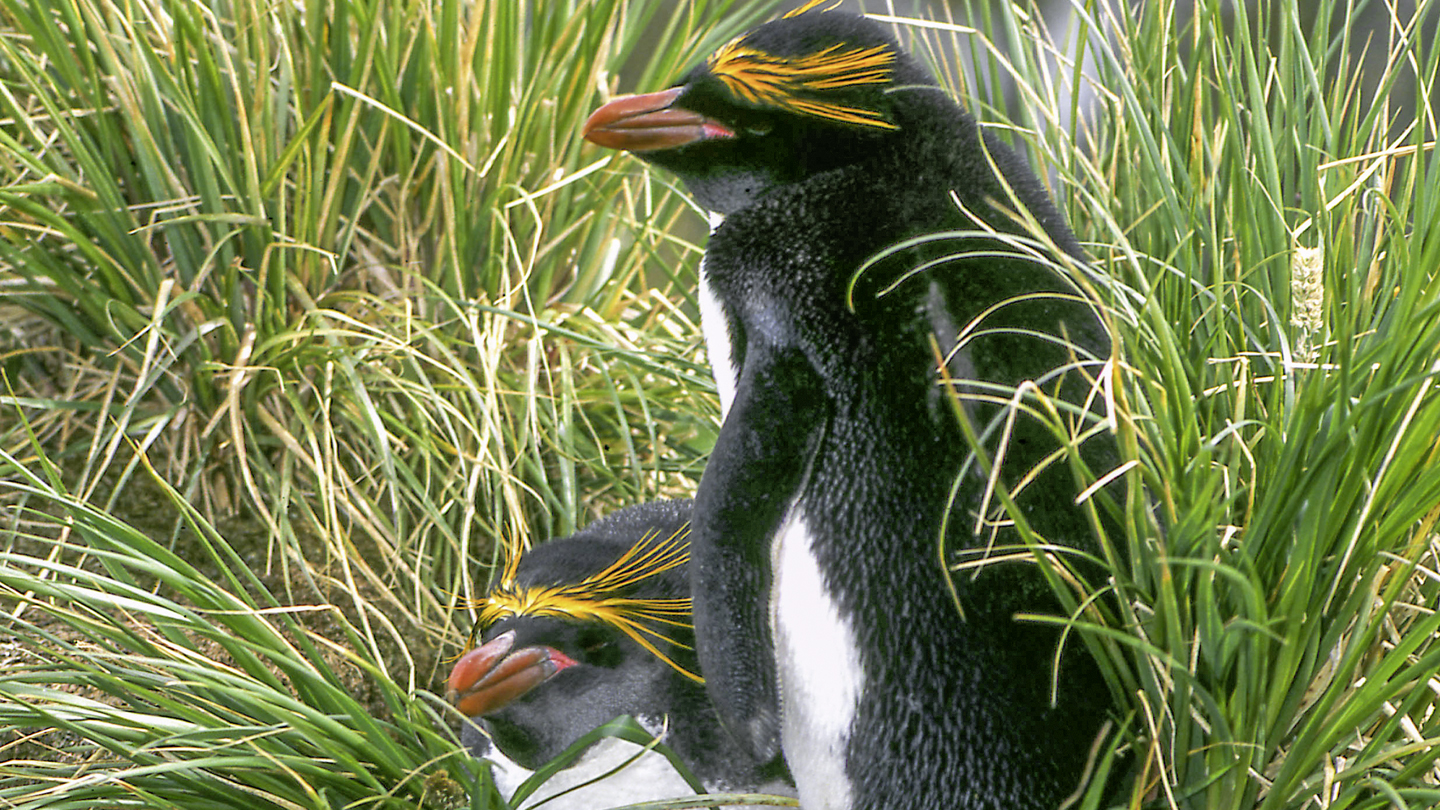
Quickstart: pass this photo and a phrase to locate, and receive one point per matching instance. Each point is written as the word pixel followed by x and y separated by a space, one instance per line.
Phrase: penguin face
pixel 557 660
pixel 541 683
pixel 798 96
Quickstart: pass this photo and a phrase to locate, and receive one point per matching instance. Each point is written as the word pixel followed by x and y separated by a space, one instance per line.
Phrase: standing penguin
pixel 842 491
pixel 579 631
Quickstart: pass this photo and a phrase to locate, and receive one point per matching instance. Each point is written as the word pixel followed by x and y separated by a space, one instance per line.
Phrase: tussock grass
pixel 307 304
pixel 173 689
pixel 328 293
pixel 1267 237
pixel 240 219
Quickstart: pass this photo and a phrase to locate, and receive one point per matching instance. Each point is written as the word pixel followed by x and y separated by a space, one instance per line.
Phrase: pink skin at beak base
pixel 650 122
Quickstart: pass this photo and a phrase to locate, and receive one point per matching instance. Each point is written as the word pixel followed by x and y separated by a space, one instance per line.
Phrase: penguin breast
pixel 821 674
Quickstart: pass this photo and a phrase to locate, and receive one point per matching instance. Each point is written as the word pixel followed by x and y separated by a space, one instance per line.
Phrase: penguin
pixel 584 629
pixel 871 305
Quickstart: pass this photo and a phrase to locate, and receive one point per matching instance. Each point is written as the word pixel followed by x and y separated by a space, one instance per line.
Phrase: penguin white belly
pixel 821 675
pixel 649 778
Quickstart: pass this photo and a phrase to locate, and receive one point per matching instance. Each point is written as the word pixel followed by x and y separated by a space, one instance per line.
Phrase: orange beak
pixel 650 122
pixel 490 677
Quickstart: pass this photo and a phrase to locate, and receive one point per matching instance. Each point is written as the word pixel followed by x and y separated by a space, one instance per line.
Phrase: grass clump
pixel 329 293
pixel 1266 228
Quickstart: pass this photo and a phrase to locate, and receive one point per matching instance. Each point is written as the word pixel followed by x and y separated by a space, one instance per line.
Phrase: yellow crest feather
pixel 783 82
pixel 597 598
pixel 810 6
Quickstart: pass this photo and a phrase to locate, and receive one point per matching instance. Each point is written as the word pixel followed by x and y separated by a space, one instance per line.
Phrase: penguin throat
pixel 729 189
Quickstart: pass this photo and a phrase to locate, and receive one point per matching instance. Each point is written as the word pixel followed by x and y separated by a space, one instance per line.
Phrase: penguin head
pixel 801 95
pixel 582 630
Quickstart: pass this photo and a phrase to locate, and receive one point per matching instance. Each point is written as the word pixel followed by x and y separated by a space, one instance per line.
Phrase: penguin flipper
pixel 757 470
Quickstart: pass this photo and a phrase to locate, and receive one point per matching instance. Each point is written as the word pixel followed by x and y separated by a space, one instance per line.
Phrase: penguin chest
pixel 820 670
pixel 715 324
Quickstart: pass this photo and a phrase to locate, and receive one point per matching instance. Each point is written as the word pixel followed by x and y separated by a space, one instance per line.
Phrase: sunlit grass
pixel 1267 240
pixel 345 278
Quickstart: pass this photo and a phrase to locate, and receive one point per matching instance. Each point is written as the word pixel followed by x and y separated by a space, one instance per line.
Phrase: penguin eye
pixel 598 648
pixel 761 127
